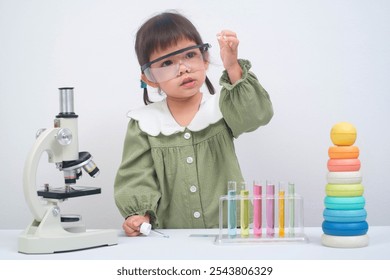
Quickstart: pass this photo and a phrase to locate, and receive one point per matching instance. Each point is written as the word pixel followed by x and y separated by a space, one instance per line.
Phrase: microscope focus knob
pixel 56 211
pixel 64 136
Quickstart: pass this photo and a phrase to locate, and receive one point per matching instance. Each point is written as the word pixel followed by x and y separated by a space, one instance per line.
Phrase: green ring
pixel 344 189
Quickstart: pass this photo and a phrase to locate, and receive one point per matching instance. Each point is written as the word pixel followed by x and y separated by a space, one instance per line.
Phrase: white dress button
pixel 193 189
pixel 190 160
pixel 196 215
pixel 187 135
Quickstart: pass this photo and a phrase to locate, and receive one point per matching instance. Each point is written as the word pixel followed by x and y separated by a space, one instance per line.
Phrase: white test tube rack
pixel 293 220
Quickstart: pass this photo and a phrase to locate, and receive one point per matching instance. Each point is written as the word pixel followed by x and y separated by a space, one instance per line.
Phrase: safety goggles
pixel 167 67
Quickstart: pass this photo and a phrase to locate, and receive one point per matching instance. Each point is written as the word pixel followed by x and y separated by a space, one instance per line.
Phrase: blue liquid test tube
pixel 232 209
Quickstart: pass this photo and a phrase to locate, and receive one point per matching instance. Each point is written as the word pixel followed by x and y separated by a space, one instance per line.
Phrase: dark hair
pixel 161 32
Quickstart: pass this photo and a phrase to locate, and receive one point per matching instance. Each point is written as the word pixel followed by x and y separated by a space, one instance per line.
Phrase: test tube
pixel 244 210
pixel 270 208
pixel 257 208
pixel 291 206
pixel 232 209
pixel 281 195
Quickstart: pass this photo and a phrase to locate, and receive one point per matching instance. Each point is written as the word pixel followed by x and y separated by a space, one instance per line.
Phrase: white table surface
pixel 181 246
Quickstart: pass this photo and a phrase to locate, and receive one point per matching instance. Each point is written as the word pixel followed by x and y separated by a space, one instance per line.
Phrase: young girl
pixel 178 153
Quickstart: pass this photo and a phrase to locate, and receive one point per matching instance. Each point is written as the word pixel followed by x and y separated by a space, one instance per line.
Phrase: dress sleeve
pixel 136 189
pixel 245 105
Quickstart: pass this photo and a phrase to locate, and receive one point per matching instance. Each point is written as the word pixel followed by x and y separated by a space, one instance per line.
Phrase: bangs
pixel 168 33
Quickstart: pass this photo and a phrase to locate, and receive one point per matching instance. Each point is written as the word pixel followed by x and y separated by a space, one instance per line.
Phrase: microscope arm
pixel 46 141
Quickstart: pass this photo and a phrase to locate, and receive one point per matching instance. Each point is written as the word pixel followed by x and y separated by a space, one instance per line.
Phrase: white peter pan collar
pixel 156 118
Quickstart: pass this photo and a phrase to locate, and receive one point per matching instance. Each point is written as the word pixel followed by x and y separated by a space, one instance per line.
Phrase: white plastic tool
pixel 146 229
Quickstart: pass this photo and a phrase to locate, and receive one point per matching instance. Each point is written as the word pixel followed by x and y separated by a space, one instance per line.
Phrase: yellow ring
pixel 343 134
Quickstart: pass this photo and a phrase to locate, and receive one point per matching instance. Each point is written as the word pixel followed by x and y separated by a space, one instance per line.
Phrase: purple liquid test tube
pixel 270 209
pixel 257 209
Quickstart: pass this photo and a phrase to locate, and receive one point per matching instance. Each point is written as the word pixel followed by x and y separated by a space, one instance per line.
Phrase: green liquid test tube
pixel 244 211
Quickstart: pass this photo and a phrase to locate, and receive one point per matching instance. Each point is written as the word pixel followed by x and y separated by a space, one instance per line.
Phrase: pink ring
pixel 343 165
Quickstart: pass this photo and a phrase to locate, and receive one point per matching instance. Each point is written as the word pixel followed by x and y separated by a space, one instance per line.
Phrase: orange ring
pixel 340 152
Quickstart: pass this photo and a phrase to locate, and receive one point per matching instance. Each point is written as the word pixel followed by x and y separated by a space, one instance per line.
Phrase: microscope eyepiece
pixel 66 103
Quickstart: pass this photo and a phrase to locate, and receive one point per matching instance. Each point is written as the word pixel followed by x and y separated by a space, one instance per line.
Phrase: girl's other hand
pixel 132 224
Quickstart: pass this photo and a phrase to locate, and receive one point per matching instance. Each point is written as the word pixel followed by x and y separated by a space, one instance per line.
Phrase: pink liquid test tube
pixel 270 209
pixel 257 209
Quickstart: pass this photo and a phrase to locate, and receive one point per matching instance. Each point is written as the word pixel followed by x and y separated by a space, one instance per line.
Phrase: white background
pixel 322 62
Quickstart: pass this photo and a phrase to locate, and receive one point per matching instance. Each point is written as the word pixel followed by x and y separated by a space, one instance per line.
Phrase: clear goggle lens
pixel 168 66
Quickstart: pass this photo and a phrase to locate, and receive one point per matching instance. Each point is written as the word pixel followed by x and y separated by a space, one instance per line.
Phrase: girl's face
pixel 180 76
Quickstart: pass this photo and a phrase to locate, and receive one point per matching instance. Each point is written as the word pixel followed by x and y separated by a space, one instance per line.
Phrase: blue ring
pixel 344 229
pixel 345 216
pixel 344 202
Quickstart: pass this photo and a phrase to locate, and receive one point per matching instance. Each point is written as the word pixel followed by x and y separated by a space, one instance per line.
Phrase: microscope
pixel 51 231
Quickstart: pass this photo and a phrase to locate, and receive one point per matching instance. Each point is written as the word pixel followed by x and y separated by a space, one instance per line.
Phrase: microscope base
pixel 71 242
pixel 48 236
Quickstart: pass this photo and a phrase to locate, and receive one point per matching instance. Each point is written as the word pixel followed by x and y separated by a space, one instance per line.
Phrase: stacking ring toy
pixel 344 190
pixel 344 203
pixel 357 241
pixel 343 134
pixel 341 165
pixel 354 177
pixel 338 152
pixel 344 229
pixel 345 216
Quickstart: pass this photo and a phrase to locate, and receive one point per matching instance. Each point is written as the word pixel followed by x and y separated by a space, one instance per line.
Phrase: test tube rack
pixel 293 220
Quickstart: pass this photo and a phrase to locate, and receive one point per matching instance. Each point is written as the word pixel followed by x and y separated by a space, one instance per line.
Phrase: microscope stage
pixel 63 193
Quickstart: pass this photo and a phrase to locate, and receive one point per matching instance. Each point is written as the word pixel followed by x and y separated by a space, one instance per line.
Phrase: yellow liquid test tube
pixel 281 196
pixel 244 212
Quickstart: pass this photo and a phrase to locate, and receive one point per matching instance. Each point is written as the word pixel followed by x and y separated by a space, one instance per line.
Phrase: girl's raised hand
pixel 228 44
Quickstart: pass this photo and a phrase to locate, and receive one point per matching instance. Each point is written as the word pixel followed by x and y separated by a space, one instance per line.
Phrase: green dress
pixel 177 174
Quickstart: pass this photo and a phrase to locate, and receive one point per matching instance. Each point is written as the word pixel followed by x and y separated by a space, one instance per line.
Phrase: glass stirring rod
pixel 291 198
pixel 232 209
